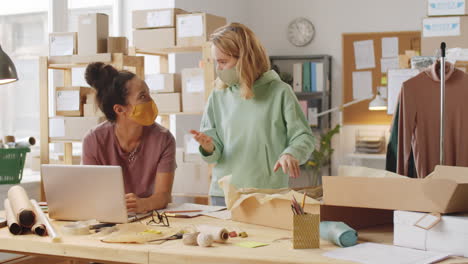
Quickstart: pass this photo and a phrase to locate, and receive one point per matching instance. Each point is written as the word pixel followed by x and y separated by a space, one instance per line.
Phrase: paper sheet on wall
pixel 362 85
pixel 388 64
pixel 371 253
pixel 395 79
pixel 441 27
pixel 389 47
pixel 195 84
pixel 158 18
pixel 190 26
pixel 444 7
pixel 364 54
pixel 68 100
pixel 61 45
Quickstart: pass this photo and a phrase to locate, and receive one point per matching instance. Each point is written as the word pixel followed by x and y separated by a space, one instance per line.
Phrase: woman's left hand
pixel 289 164
pixel 135 204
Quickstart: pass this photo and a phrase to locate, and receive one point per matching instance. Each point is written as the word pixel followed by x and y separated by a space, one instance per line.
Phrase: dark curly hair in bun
pixel 110 85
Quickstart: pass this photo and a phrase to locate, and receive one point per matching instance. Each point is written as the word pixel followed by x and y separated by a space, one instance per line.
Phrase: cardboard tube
pixel 12 223
pixel 25 142
pixel 21 206
pixel 44 220
pixel 219 234
pixel 39 227
pixel 9 139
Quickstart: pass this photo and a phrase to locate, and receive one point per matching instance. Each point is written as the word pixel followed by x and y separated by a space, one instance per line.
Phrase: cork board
pixel 359 113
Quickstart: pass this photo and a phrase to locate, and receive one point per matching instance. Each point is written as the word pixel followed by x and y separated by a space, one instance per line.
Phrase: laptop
pixel 84 192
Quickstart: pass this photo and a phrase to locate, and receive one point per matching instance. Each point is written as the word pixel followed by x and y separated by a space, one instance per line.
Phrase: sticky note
pixel 251 244
pixel 383 81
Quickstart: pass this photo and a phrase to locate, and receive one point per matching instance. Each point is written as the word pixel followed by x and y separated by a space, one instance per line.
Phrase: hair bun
pixel 100 75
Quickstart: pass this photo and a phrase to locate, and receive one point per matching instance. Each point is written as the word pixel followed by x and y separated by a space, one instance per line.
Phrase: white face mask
pixel 228 76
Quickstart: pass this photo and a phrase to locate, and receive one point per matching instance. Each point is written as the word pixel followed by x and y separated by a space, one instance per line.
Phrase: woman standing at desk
pixel 253 123
pixel 130 138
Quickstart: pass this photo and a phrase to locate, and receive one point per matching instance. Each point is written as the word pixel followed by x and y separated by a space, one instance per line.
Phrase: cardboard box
pixel 91 98
pixel 193 90
pixel 148 39
pixel 117 45
pixel 69 101
pixel 447 8
pixel 448 236
pixel 63 43
pixel 167 102
pixel 156 18
pixel 90 110
pixel 444 191
pixel 191 178
pixel 451 30
pixel 164 82
pixel 93 30
pixel 195 29
pixel 72 128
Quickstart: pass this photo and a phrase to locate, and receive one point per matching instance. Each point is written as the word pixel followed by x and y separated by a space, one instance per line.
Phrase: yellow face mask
pixel 145 114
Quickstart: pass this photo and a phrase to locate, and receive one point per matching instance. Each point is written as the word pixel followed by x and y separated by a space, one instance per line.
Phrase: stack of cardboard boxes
pixel 170 28
pixel 447 22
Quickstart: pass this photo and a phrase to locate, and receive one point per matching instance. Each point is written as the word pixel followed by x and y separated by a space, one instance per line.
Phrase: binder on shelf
pixel 297 77
pixel 306 77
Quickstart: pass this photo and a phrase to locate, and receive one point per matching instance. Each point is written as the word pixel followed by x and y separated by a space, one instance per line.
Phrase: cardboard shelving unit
pixel 66 64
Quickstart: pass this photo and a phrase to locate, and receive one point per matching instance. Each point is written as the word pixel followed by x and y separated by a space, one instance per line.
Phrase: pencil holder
pixel 306 233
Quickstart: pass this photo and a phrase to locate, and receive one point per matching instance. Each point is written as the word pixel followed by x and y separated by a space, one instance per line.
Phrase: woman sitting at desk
pixel 130 138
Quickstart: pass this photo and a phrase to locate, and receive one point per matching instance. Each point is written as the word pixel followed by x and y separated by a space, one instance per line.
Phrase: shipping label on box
pixel 156 18
pixel 190 26
pixel 446 7
pixel 441 27
pixel 62 44
pixel 68 100
pixel 195 29
pixel 160 18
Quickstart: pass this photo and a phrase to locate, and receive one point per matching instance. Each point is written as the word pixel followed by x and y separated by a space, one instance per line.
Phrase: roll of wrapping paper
pixel 25 142
pixel 12 223
pixel 43 219
pixel 219 234
pixel 21 206
pixel 39 227
pixel 9 139
pixel 339 233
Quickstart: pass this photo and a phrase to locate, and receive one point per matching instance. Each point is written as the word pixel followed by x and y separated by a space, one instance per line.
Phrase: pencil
pixel 303 200
pixel 186 211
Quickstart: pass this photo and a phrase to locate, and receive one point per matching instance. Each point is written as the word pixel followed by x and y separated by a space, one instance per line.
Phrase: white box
pixel 195 29
pixel 93 30
pixel 164 82
pixel 71 128
pixel 191 178
pixel 193 90
pixel 156 18
pixel 450 235
pixel 63 43
pixel 446 7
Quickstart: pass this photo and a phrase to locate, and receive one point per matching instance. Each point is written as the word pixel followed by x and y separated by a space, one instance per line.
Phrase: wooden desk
pixel 90 248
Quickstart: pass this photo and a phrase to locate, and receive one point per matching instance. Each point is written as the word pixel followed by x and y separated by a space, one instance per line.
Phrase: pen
pixel 183 211
pixel 303 201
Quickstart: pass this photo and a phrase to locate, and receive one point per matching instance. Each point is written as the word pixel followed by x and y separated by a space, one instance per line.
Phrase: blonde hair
pixel 239 41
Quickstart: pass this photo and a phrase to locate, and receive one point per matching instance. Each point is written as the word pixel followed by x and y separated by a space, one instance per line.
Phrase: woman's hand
pixel 289 164
pixel 135 204
pixel 205 141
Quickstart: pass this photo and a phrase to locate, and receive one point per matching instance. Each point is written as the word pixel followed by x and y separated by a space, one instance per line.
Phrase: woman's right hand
pixel 205 141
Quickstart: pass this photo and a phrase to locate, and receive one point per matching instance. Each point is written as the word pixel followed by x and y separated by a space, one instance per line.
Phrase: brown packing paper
pixel 445 191
pixel 257 206
pixel 12 223
pixel 21 206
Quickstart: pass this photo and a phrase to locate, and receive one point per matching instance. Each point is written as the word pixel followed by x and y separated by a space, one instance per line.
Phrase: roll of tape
pixel 75 229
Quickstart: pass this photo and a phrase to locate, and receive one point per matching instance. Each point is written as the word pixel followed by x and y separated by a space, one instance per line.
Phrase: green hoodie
pixel 251 135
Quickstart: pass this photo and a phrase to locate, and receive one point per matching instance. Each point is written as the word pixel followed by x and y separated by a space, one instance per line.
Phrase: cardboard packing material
pixel 148 39
pixel 449 235
pixel 451 30
pixel 69 101
pixel 446 7
pixel 71 128
pixel 195 29
pixel 156 18
pixel 167 102
pixel 193 90
pixel 164 82
pixel 117 45
pixel 63 43
pixel 90 110
pixel 444 191
pixel 191 178
pixel 93 30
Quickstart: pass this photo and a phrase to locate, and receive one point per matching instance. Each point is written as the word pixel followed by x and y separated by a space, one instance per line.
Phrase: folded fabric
pixel 338 233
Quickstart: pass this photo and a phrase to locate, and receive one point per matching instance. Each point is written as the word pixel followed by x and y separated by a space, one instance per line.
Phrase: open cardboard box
pixel 444 191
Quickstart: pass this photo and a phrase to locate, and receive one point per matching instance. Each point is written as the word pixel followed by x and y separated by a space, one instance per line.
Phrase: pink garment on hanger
pixel 419 122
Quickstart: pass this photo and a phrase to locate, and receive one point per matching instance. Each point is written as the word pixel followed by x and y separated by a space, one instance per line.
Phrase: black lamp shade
pixel 7 69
